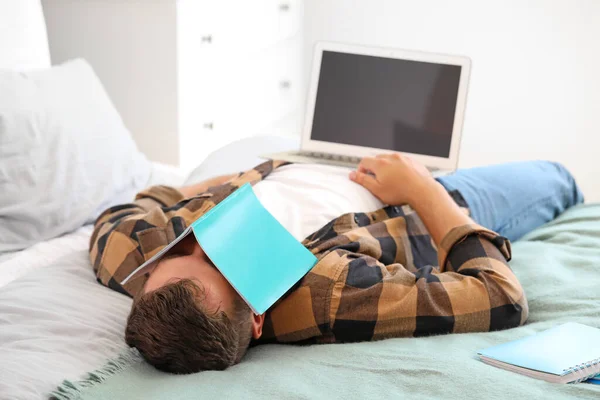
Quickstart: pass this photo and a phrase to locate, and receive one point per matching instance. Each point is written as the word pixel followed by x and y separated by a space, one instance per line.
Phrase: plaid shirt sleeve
pixel 376 278
pixel 127 235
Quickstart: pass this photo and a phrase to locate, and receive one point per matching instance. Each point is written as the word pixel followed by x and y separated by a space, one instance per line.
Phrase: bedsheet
pixel 57 322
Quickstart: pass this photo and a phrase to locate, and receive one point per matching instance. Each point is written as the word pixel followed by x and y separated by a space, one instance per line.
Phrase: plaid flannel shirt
pixel 378 275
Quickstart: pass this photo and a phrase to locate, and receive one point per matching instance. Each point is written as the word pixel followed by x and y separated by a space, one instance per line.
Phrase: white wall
pixel 169 83
pixel 23 37
pixel 535 85
pixel 131 46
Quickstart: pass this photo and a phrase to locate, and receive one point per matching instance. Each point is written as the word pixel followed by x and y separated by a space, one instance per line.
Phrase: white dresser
pixel 239 70
pixel 189 76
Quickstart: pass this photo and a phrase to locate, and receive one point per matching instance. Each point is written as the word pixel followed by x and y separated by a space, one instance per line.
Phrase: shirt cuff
pixel 164 195
pixel 460 233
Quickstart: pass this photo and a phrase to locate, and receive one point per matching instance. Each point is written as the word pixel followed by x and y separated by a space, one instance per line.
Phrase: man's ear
pixel 257 325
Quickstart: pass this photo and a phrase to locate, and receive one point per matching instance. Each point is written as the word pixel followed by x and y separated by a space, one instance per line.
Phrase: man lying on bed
pixel 379 274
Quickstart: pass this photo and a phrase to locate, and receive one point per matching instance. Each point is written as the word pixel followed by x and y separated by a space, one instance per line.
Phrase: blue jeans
pixel 513 199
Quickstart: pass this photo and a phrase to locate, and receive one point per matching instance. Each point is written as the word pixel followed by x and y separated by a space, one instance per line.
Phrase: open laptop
pixel 364 101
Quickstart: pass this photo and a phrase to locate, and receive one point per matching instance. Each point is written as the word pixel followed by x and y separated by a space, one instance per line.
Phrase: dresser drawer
pixel 243 97
pixel 220 102
pixel 236 28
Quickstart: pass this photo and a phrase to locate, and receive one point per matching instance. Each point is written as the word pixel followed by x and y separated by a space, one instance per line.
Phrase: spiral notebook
pixel 253 251
pixel 568 353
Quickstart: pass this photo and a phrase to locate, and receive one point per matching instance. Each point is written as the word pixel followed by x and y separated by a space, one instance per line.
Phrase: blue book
pixel 252 250
pixel 568 353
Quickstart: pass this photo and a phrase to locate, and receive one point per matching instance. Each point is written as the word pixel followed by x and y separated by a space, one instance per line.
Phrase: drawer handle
pixel 283 7
pixel 285 84
pixel 206 39
pixel 208 125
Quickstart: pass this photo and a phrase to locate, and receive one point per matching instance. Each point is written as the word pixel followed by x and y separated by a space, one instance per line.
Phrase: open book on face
pixel 568 353
pixel 253 251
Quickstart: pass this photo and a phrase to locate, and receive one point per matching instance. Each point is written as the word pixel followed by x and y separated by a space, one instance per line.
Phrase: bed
pixel 57 323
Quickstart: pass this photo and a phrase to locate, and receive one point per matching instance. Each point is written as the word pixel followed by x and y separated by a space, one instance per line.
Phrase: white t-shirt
pixel 305 197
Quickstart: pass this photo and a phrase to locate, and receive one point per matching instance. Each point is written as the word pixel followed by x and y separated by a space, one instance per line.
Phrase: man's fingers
pixel 370 164
pixel 390 156
pixel 366 180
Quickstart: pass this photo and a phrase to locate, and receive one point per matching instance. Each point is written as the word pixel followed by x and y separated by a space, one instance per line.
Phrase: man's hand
pixel 190 191
pixel 399 180
pixel 394 179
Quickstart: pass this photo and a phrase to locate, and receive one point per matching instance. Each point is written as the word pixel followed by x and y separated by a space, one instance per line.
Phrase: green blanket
pixel 558 264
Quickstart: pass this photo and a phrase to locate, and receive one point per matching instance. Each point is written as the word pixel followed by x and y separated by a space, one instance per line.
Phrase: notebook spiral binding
pixel 593 364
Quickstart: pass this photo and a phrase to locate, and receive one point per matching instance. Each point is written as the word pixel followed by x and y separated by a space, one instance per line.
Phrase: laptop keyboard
pixel 336 159
pixel 328 156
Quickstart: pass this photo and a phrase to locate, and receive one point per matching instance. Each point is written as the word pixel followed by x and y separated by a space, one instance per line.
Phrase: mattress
pixel 57 322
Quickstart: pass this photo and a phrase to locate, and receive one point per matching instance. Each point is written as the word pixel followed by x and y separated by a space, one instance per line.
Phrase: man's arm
pixel 190 191
pixel 117 228
pixel 149 199
pixel 476 287
pixel 398 180
pixel 127 235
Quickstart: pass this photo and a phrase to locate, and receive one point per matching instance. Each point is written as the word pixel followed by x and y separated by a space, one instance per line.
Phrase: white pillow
pixel 23 37
pixel 241 155
pixel 65 154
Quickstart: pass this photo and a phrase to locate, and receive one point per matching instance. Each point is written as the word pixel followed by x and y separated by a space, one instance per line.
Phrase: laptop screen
pixel 386 103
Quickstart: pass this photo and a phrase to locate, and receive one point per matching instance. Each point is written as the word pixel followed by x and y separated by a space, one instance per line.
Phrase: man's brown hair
pixel 174 331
